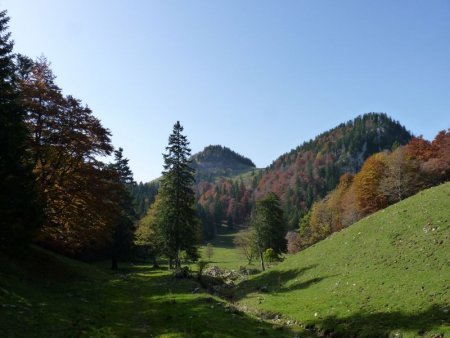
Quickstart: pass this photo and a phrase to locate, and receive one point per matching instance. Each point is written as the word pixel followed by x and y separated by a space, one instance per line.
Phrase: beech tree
pixel 367 184
pixel 440 164
pixel 401 177
pixel 20 213
pixel 147 236
pixel 66 143
pixel 178 225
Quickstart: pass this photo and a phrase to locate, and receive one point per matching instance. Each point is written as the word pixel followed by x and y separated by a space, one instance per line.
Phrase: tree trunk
pixel 263 268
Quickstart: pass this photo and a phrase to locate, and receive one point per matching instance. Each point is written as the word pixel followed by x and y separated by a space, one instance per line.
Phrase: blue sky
pixel 259 77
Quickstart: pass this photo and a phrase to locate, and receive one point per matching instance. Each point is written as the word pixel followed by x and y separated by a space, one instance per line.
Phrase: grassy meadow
pixel 43 294
pixel 225 254
pixel 387 275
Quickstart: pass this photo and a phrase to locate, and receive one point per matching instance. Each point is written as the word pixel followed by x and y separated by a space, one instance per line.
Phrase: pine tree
pixel 179 227
pixel 20 213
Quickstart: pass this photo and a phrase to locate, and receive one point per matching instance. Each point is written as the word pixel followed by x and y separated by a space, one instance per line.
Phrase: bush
pixel 271 256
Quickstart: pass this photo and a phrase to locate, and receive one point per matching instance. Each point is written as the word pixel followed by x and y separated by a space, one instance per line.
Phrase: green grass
pixel 225 254
pixel 43 294
pixel 388 274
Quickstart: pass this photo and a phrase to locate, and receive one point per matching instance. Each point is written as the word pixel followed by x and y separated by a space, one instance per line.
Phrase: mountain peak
pixel 219 161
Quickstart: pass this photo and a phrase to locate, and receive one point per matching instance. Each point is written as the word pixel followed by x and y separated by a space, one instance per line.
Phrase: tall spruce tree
pixel 19 210
pixel 123 229
pixel 178 226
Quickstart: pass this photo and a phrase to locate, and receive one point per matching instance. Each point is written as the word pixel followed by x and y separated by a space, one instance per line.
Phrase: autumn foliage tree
pixel 385 178
pixel 439 164
pixel 66 143
pixel 367 184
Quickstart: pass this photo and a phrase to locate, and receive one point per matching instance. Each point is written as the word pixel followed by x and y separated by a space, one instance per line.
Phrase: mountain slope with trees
pixel 217 161
pixel 305 174
pixel 384 179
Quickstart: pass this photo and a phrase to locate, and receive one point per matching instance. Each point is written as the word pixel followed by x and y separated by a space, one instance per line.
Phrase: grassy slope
pixel 225 255
pixel 43 294
pixel 387 274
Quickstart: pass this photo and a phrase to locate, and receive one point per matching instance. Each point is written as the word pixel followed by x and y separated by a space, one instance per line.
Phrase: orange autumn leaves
pixel 385 178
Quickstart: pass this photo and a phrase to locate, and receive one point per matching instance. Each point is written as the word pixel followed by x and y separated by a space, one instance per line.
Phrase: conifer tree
pixel 179 225
pixel 123 229
pixel 19 209
pixel 270 229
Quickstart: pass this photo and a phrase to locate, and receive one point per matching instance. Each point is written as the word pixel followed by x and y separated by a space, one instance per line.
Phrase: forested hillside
pixel 385 178
pixel 217 161
pixel 213 163
pixel 306 173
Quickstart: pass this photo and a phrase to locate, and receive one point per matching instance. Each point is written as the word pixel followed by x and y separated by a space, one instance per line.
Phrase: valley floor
pixel 385 276
pixel 78 300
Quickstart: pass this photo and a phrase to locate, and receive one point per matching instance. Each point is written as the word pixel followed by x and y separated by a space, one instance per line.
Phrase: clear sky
pixel 257 76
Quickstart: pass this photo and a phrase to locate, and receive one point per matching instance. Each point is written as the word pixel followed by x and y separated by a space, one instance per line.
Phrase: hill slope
pixel 217 161
pixel 310 171
pixel 387 274
pixel 306 173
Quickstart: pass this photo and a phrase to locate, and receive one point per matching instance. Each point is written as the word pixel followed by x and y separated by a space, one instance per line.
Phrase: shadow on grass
pixel 145 303
pixel 384 324
pixel 274 281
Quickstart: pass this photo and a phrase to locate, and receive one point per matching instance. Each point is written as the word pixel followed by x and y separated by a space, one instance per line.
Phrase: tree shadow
pixel 386 324
pixel 136 304
pixel 274 281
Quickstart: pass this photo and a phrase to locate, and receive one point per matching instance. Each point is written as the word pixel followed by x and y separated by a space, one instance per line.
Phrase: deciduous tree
pixel 367 184
pixel 66 142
